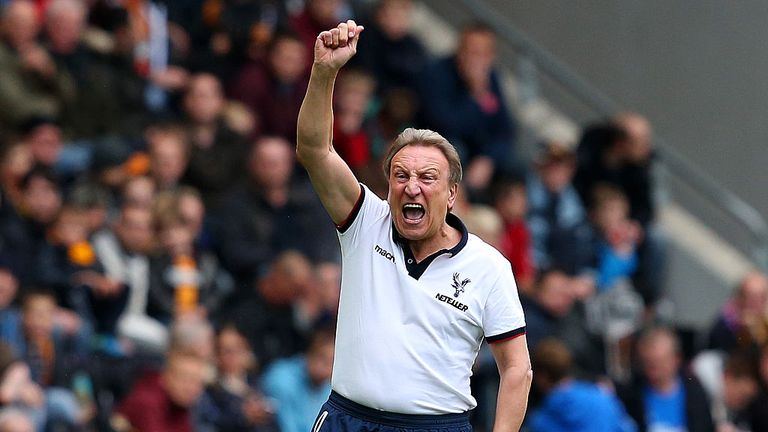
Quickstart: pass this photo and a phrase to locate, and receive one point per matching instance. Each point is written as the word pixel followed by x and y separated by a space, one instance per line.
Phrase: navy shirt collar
pixel 415 269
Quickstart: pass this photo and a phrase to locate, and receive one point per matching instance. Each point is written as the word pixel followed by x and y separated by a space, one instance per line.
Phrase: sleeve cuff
pixel 506 335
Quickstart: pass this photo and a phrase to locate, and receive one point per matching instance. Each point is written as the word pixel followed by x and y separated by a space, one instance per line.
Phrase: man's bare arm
pixel 331 176
pixel 514 366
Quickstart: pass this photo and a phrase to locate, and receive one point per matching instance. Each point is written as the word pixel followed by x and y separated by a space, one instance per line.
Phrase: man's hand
pixel 333 48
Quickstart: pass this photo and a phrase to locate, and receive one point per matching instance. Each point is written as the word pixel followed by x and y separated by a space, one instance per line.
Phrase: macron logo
pixel 386 254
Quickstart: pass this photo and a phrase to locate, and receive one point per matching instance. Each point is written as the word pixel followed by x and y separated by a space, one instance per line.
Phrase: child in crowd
pixel 235 402
pixel 68 264
pixel 52 361
pixel 618 237
pixel 511 202
pixel 183 278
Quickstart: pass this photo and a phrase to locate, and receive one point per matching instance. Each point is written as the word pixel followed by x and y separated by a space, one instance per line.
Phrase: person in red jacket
pixel 162 402
pixel 511 201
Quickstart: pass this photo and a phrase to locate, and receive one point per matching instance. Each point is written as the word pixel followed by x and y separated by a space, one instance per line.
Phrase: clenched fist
pixel 333 48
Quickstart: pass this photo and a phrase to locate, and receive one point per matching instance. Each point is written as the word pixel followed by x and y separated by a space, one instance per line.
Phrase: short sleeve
pixel 503 316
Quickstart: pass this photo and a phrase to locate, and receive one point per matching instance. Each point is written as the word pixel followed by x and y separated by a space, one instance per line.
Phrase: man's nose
pixel 412 188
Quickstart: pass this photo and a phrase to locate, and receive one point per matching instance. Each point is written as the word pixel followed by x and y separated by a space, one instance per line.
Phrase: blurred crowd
pixel 166 266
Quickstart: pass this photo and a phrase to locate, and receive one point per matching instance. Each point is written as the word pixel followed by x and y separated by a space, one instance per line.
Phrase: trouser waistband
pixel 396 419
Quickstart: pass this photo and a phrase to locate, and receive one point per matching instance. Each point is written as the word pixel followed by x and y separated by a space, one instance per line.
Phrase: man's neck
pixel 446 238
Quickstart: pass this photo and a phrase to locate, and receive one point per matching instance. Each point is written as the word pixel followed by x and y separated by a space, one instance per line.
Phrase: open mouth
pixel 413 212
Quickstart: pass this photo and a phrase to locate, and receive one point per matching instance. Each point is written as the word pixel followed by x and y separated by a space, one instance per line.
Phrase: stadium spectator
pixel 235 403
pixel 163 402
pixel 731 381
pixel 168 153
pixel 620 153
pixel 637 180
pixel 94 110
pixel 211 139
pixel 301 384
pixel 466 105
pixel 123 250
pixel 273 212
pixel 184 279
pixel 550 312
pixel 23 230
pixel 742 321
pixel 274 89
pixel 111 36
pixel 389 51
pixel 155 55
pixel 68 265
pixel 570 404
pixel 510 200
pixel 663 395
pixel 617 237
pixel 556 217
pixel 51 358
pixel 272 316
pixel 32 84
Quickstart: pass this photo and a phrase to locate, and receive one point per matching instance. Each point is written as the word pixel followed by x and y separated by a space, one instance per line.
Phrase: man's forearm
pixel 512 400
pixel 315 123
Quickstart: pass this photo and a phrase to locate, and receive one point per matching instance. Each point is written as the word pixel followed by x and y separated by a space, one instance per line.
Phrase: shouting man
pixel 419 293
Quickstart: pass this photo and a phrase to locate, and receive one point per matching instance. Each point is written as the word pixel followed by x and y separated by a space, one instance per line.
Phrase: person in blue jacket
pixel 570 404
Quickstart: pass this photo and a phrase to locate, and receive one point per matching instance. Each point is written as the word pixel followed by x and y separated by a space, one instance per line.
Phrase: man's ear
pixel 453 191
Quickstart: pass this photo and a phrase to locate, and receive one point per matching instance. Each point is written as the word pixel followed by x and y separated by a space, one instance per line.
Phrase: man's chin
pixel 410 232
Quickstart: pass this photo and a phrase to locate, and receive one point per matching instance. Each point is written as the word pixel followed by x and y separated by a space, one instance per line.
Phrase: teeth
pixel 413 206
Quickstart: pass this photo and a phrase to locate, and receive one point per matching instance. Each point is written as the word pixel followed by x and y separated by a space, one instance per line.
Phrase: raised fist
pixel 333 48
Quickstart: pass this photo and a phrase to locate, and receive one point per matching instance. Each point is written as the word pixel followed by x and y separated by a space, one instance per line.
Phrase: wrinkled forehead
pixel 418 157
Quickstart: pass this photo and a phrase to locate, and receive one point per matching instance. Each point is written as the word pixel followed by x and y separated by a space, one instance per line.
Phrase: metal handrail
pixel 595 99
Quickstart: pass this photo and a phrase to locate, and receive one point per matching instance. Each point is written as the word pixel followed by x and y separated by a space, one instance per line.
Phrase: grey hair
pixel 427 138
pixel 187 333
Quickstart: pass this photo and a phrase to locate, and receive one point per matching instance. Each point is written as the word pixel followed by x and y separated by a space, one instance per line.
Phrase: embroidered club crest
pixel 459 286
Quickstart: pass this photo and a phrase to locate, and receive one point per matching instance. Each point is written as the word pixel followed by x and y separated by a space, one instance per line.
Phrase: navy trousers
pixel 340 414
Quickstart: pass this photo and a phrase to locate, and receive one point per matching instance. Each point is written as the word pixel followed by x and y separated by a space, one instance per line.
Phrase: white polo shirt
pixel 409 333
